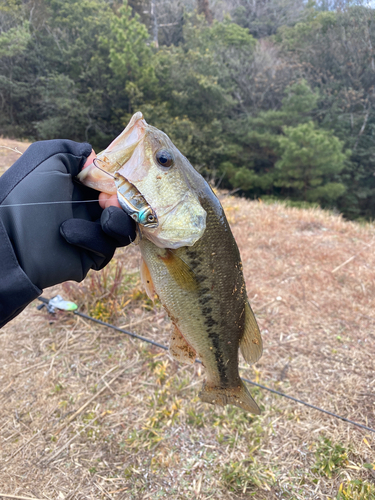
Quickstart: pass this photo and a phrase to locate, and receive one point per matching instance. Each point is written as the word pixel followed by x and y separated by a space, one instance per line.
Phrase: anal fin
pixel 180 349
pixel 251 344
pixel 147 280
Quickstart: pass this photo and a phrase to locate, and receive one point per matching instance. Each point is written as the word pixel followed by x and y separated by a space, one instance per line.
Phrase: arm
pixel 45 244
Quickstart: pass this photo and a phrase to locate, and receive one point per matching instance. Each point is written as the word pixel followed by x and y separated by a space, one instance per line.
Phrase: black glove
pixel 42 245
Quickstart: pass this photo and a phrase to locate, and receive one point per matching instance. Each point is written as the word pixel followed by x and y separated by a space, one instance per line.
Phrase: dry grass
pixel 90 414
pixel 8 152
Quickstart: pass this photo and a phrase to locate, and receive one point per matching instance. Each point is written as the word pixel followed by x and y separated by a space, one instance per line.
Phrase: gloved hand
pixel 52 243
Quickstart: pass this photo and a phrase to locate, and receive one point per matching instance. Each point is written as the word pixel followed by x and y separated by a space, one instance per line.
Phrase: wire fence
pixel 264 387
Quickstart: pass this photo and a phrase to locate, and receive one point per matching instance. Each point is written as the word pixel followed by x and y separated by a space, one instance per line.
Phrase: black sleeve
pixel 16 290
pixel 42 246
pixel 37 153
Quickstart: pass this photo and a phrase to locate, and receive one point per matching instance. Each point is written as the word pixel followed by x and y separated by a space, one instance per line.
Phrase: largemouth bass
pixel 190 260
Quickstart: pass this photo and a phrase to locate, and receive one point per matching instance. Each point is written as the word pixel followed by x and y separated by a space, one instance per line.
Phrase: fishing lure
pixel 131 200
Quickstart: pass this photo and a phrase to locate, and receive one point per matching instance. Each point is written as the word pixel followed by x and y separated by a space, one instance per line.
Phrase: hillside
pixel 247 97
pixel 88 413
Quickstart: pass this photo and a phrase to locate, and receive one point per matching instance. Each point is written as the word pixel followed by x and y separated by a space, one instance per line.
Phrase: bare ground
pixel 88 413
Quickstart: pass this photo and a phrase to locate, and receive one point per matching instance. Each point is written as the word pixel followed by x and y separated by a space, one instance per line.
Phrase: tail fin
pixel 238 396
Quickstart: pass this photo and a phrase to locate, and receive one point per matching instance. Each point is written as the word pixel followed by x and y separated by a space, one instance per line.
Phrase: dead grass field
pixel 8 152
pixel 88 413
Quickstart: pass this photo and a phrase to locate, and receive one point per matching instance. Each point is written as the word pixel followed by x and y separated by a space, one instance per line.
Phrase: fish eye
pixel 164 158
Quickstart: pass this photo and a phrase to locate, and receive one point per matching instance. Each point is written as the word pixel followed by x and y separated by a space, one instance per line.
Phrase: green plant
pixel 195 418
pixel 329 458
pixel 356 490
pixel 104 294
pixel 243 475
pixel 57 388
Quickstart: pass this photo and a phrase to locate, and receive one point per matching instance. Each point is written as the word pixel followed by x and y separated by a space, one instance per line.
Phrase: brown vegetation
pixel 88 413
pixel 10 152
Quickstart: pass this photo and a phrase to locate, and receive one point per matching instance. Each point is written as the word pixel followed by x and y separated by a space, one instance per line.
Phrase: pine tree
pixel 310 160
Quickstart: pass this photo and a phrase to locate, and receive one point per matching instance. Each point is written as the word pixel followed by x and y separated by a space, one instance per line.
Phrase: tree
pixel 204 8
pixel 264 17
pixel 251 165
pixel 164 19
pixel 310 160
pixel 336 50
pixel 73 79
pixel 129 61
pixel 339 4
pixel 13 46
pixel 270 104
pixel 195 92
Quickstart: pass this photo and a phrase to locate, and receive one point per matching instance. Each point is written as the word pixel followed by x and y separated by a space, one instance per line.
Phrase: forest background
pixel 273 98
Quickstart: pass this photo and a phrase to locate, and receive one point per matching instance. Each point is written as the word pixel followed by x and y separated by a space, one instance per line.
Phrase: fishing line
pixel 149 341
pixel 47 203
pixel 58 202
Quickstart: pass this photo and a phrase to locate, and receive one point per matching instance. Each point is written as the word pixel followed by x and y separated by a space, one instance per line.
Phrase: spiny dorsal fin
pixel 180 349
pixel 251 343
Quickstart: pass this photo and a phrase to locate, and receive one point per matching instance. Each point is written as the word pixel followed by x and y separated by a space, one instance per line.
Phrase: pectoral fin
pixel 147 280
pixel 180 271
pixel 180 349
pixel 251 343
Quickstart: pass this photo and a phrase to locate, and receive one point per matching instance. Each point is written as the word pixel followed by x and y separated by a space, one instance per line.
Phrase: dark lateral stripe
pixel 205 299
pixel 211 324
pixel 219 357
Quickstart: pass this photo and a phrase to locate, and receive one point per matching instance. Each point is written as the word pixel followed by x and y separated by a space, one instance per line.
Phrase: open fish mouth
pixel 156 194
pixel 131 199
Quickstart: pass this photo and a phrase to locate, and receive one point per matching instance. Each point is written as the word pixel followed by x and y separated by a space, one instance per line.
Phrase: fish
pixel 189 258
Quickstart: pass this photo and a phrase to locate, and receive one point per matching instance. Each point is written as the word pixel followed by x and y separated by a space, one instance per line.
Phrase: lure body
pixel 133 203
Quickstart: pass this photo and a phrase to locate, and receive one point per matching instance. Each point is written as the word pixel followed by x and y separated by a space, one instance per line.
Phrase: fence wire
pixel 161 346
